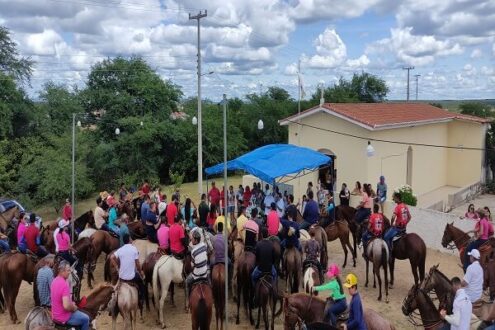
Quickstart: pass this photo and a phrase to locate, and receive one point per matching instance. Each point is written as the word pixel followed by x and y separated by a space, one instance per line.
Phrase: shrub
pixel 407 196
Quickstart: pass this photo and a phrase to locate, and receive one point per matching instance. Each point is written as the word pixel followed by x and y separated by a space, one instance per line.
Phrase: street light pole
pixel 225 197
pixel 73 172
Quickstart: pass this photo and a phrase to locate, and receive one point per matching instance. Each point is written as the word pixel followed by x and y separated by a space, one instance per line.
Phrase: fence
pixel 464 194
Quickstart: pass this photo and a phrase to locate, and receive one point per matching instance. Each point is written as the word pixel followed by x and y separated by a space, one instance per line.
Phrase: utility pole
pixel 226 214
pixel 408 68
pixel 417 78
pixel 198 17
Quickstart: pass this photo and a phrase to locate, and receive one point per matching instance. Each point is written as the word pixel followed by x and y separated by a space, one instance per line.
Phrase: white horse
pixel 145 248
pixel 37 317
pixel 126 305
pixel 167 269
pixel 88 232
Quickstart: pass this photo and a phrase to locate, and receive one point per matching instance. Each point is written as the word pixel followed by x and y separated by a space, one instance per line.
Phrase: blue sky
pixel 251 45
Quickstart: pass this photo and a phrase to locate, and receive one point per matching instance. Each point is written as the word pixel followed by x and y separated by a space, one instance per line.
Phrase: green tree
pixel 436 104
pixel 11 64
pixel 15 109
pixel 476 109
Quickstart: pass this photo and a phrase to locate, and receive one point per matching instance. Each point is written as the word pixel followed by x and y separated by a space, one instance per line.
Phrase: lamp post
pixel 73 197
pixel 370 150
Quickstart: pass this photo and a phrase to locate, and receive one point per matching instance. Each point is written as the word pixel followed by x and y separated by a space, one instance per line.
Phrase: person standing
pixel 32 237
pixel 309 188
pixel 144 209
pixel 336 295
pixel 400 219
pixel 214 195
pixel 239 197
pixel 145 188
pixel 43 282
pixel 381 192
pixel 212 217
pixel 344 195
pixel 268 200
pixel 279 200
pixel 172 210
pixel 471 214
pixel 203 211
pixel 356 315
pixel 246 197
pixel 64 310
pixel 273 221
pixel 311 213
pixel 460 319
pixel 473 279
pixel 67 210
pixel 221 220
pixel 188 213
pixel 231 203
pixel 129 268
pixel 122 192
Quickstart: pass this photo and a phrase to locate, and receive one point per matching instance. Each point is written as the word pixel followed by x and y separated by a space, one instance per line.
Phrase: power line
pixel 417 78
pixel 408 68
pixel 390 141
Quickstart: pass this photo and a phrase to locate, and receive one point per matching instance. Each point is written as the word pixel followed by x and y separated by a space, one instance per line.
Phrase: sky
pixel 252 44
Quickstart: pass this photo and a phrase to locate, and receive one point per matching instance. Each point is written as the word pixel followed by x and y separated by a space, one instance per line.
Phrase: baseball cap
pixel 474 253
pixel 350 280
pixel 333 270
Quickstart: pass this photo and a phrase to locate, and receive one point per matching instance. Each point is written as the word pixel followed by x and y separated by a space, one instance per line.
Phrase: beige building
pixel 435 151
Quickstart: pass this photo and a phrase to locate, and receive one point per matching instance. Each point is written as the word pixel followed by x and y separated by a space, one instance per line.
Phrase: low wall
pixel 430 225
pixel 463 194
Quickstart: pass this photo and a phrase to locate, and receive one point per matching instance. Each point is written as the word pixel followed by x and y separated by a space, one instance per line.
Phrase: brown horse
pixel 411 247
pixel 102 241
pixel 437 281
pixel 293 266
pixel 267 295
pixel 246 265
pixel 418 299
pixel 238 250
pixel 148 265
pixel 340 230
pixel 218 286
pixel 136 229
pixel 126 207
pixel 347 213
pixel 7 216
pixel 14 267
pixel 201 302
pixel 86 219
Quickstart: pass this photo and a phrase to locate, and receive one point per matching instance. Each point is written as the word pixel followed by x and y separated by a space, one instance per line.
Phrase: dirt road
pixel 176 318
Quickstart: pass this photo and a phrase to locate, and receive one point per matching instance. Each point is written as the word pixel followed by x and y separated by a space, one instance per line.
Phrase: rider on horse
pixel 265 259
pixel 290 235
pixel 336 303
pixel 400 219
pixel 312 250
pixel 364 208
pixel 311 213
pixel 64 246
pixel 200 261
pixel 482 232
pixel 375 226
pixel 251 230
pixel 32 238
pixel 330 210
pixel 178 239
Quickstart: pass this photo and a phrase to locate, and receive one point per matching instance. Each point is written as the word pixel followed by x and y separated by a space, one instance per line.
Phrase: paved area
pixel 436 195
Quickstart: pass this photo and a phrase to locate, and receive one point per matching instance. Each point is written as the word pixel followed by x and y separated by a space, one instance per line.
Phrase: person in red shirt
pixel 400 219
pixel 172 211
pixel 145 188
pixel 375 226
pixel 178 239
pixel 272 220
pixel 246 198
pixel 212 216
pixel 32 237
pixel 214 195
pixel 67 210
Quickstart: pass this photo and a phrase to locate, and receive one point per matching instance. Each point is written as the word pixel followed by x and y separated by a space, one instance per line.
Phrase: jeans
pixel 42 252
pixel 337 308
pixel 361 214
pixel 490 327
pixel 4 245
pixel 367 235
pixel 151 233
pixel 256 274
pixel 305 225
pixel 473 245
pixel 390 234
pixel 79 319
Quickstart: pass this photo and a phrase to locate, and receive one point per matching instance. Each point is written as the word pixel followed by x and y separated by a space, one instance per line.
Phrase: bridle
pixel 453 243
pixel 300 322
pixel 415 317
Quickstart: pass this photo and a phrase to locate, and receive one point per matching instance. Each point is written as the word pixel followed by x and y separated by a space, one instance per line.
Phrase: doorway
pixel 327 173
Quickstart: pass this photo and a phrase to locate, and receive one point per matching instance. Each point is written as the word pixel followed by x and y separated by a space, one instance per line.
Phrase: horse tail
pixel 203 314
pixel 155 283
pixel 218 291
pixel 106 271
pixel 385 256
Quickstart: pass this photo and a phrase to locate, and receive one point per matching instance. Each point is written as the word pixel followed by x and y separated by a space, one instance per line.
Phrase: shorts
pixel 231 209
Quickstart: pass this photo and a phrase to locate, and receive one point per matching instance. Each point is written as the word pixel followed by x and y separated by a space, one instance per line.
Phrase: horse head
pixel 447 235
pixel 410 302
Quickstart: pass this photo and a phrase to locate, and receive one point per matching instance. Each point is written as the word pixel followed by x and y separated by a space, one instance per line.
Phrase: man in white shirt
pixel 473 279
pixel 462 308
pixel 269 199
pixel 280 206
pixel 130 268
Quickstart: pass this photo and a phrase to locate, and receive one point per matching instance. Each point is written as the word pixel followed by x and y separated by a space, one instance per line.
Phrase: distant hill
pixel 453 105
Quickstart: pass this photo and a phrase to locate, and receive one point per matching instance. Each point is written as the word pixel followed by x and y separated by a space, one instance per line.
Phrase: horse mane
pixel 441 274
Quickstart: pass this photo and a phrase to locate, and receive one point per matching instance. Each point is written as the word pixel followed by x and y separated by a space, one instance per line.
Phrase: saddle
pixel 397 237
pixel 201 280
pixel 63 326
pixel 179 256
pixel 310 263
pixel 248 248
pixel 129 282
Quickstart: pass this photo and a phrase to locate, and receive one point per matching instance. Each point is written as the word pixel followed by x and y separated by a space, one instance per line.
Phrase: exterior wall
pixel 464 167
pixel 351 162
pixel 428 165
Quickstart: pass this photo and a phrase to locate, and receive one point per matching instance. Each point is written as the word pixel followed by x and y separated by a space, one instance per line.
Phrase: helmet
pixel 333 270
pixel 350 280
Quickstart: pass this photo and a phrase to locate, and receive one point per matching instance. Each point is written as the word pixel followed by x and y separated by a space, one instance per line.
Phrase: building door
pixel 327 174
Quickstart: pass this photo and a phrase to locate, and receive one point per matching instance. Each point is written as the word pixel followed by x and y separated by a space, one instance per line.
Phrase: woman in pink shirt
pixel 21 229
pixel 364 208
pixel 470 214
pixel 163 236
pixel 272 220
pixel 482 231
pixel 64 246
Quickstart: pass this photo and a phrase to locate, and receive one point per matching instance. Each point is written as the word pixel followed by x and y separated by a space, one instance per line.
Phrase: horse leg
pixel 259 316
pixel 11 298
pixel 162 303
pixel 367 271
pixel 386 280
pixel 391 264
pixel 376 270
pixel 415 271
pixel 238 301
pixel 265 315
pixel 345 251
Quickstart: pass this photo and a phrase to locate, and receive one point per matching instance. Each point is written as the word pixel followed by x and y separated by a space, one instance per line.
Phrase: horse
pixel 418 299
pixel 7 216
pixel 126 305
pixel 167 269
pixel 437 281
pixel 238 248
pixel 97 301
pixel 311 278
pixel 293 267
pixel 86 219
pixel 201 301
pixel 412 247
pixel 14 267
pixel 136 229
pixel 267 294
pixel 101 241
pixel 53 260
pixel 148 266
pixel 126 207
pixel 377 253
pixel 340 230
pixel 88 232
pixel 145 248
pixel 348 213
pixel 301 308
pixel 218 287
pixel 321 238
pixel 246 265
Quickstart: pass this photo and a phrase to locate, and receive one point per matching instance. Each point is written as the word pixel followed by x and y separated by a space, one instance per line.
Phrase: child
pixel 356 315
pixel 339 305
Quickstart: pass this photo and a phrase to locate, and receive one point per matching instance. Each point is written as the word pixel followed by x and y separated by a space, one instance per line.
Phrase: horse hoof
pixel 390 286
pixel 237 321
pixel 366 285
pixel 379 299
pixel 163 326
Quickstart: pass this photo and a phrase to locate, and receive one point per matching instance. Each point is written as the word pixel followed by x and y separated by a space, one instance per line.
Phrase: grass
pixel 189 189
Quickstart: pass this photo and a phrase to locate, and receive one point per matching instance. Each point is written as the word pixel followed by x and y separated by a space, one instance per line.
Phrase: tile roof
pixel 386 115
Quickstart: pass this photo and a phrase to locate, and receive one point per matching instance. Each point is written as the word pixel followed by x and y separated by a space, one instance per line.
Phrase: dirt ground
pixel 176 318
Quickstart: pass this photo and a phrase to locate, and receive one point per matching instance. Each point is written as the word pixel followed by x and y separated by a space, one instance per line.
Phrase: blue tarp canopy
pixel 7 204
pixel 275 161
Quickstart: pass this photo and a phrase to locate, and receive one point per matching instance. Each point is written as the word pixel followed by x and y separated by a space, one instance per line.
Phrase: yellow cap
pixel 350 280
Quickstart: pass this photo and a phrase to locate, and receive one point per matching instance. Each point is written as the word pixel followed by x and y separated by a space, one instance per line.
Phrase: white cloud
pixel 43 43
pixel 330 51
pixel 291 69
pixel 476 53
pixel 357 63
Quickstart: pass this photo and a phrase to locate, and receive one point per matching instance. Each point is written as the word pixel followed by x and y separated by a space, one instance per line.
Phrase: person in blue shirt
pixel 330 218
pixel 311 213
pixel 356 315
pixel 145 207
